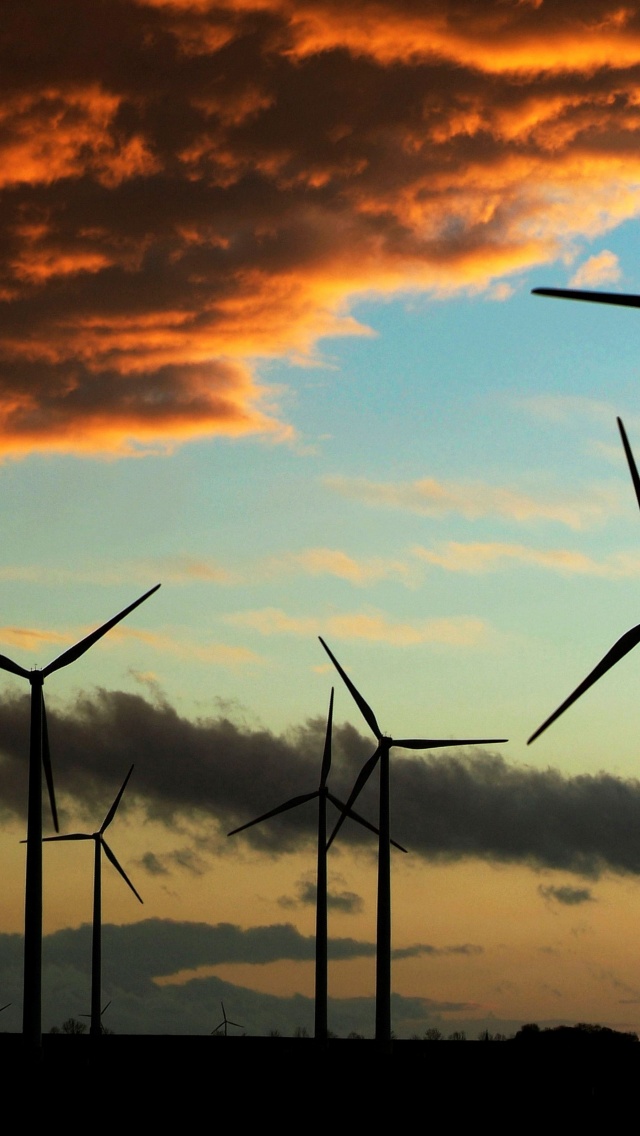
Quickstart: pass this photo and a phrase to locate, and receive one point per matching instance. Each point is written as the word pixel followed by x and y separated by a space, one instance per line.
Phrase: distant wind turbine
pixel 225 1022
pixel 96 944
pixel 626 642
pixel 104 1008
pixel 38 757
pixel 381 755
pixel 323 795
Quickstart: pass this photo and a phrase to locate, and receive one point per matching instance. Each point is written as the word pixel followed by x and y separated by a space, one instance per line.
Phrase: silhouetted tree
pixel 583 1031
pixel 72 1025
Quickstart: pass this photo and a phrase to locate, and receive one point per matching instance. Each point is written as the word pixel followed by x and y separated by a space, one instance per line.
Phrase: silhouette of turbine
pixel 323 795
pixel 105 1007
pixel 381 755
pixel 38 757
pixel 96 947
pixel 626 642
pixel 225 1022
pixel 622 299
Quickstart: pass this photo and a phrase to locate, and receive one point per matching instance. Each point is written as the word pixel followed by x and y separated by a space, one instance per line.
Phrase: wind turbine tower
pixel 100 846
pixel 38 757
pixel 381 756
pixel 322 795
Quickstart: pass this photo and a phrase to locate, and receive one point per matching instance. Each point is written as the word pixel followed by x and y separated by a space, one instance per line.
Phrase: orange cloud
pixel 477 557
pixel 494 37
pixel 374 626
pixel 32 639
pixel 335 562
pixel 190 187
pixel 219 654
pixel 601 269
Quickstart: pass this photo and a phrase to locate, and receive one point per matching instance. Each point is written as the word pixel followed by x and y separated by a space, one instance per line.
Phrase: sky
pixel 267 337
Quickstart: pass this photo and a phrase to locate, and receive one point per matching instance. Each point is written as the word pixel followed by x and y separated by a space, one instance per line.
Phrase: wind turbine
pixel 104 1008
pixel 225 1022
pixel 626 642
pixel 381 755
pixel 39 757
pixel 96 942
pixel 323 795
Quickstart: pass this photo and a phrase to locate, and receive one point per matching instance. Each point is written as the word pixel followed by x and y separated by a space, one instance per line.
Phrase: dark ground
pixel 248 1078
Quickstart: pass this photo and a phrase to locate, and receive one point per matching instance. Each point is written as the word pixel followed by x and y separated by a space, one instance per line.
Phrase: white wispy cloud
pixel 221 654
pixel 477 557
pixel 560 407
pixel 569 408
pixel 375 626
pixel 433 498
pixel 335 562
pixel 601 269
pixel 179 569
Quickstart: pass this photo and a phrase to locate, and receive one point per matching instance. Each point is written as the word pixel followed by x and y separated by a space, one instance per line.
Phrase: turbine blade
pixel 437 743
pixel 365 709
pixel 360 782
pixel 326 757
pixel 118 868
pixel 105 1007
pixel 46 763
pixel 633 469
pixel 70 836
pixel 15 668
pixel 624 299
pixel 112 811
pixel 360 819
pixel 625 644
pixel 78 649
pixel 217 1028
pixel 292 804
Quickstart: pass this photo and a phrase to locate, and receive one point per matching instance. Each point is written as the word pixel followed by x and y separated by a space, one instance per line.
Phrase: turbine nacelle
pixel 385 743
pixel 381 757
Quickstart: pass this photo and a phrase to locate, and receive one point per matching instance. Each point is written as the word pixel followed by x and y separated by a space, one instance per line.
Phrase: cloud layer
pixel 134 956
pixel 189 186
pixel 447 805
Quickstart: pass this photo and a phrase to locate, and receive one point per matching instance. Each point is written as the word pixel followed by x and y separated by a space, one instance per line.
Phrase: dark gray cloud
pixel 189 185
pixel 153 865
pixel 568 896
pixel 135 955
pixel 420 950
pixel 446 805
pixel 346 902
pixel 157 948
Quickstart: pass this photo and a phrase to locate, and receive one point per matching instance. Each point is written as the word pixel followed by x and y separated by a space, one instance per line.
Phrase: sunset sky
pixel 267 337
